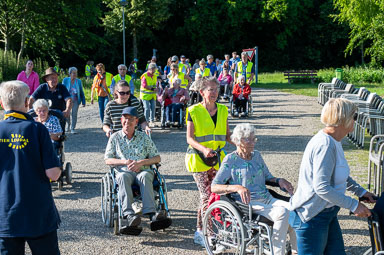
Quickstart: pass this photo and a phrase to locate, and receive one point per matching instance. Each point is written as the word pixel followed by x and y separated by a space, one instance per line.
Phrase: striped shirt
pixel 112 114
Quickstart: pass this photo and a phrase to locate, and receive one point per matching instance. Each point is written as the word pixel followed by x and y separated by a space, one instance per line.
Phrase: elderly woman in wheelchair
pixel 241 101
pixel 132 153
pixel 243 174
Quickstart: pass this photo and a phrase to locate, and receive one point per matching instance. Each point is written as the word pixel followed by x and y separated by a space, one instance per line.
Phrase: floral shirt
pixel 250 174
pixel 139 147
pixel 53 125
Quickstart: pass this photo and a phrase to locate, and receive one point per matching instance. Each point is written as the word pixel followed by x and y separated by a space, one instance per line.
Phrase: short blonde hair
pixel 338 112
pixel 13 94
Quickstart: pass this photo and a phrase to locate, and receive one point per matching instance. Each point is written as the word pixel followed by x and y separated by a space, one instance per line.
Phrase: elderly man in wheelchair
pixel 243 174
pixel 132 153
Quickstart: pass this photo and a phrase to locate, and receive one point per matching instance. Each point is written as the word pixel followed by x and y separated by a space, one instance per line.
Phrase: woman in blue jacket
pixel 75 88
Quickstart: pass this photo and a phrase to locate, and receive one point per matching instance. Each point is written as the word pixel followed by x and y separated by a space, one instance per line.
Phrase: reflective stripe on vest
pixel 207 134
pixel 206 72
pixel 248 70
pixel 146 94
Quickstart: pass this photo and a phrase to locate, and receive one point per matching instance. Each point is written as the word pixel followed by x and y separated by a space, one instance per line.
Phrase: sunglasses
pixel 355 116
pixel 122 93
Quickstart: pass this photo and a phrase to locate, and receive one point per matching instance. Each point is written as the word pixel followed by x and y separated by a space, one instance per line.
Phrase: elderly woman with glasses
pixel 244 173
pixel 52 123
pixel 113 110
pixel 323 180
pixel 75 89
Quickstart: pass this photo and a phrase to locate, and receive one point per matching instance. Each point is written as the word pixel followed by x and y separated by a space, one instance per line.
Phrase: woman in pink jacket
pixel 30 77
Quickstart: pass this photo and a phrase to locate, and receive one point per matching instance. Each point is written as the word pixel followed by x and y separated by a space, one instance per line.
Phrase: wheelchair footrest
pixel 161 224
pixel 133 231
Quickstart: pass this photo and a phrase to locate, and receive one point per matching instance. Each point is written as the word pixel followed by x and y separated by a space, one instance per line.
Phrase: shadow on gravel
pixel 180 182
pixel 76 191
pixel 267 143
pixel 357 250
pixel 87 140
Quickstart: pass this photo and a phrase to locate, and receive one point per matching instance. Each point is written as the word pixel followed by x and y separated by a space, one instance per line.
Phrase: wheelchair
pixel 181 117
pixel 111 208
pixel 238 228
pixel 194 97
pixel 376 227
pixel 66 172
pixel 248 110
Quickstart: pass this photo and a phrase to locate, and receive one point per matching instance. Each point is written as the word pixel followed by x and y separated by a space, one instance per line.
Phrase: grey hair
pixel 209 56
pixel 40 103
pixel 206 81
pixel 244 53
pixel 202 62
pixel 241 77
pixel 241 131
pixel 72 69
pixel 177 81
pixel 121 65
pixel 152 66
pixel 13 94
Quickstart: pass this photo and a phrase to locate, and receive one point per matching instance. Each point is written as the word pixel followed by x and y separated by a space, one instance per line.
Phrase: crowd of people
pixel 127 121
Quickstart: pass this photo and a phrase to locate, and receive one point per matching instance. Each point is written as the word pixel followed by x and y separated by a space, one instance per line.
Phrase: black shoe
pixel 133 220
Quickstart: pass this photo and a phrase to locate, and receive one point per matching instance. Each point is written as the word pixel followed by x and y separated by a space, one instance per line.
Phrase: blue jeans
pixel 72 120
pixel 102 104
pixel 42 245
pixel 320 235
pixel 149 109
pixel 174 109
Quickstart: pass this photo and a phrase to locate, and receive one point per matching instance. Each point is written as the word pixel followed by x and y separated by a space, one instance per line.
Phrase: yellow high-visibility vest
pixel 248 70
pixel 147 94
pixel 108 80
pixel 206 72
pixel 207 134
pixel 181 76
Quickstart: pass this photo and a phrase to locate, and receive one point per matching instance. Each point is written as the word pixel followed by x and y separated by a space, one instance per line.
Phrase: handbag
pixel 210 161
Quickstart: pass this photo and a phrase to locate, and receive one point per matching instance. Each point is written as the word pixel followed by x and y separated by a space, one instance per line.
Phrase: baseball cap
pixel 130 111
pixel 174 58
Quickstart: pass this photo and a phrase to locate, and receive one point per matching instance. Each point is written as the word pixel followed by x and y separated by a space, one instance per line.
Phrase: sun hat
pixel 48 72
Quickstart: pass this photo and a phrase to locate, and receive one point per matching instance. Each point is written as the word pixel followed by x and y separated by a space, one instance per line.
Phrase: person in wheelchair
pixel 243 174
pixel 132 152
pixel 225 80
pixel 178 98
pixel 52 123
pixel 240 94
pixel 194 93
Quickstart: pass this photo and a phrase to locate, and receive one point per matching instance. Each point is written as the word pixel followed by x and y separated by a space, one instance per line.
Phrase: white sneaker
pixel 73 131
pixel 219 248
pixel 199 238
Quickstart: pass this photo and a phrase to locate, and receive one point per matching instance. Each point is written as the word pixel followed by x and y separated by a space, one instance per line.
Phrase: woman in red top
pixel 240 93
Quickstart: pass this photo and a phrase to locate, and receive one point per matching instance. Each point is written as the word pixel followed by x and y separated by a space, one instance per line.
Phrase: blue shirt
pixel 57 97
pixel 78 87
pixel 27 208
pixel 212 67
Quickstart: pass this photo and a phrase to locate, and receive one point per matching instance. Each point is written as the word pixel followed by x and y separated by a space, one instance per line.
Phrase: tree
pixel 142 16
pixel 10 23
pixel 365 18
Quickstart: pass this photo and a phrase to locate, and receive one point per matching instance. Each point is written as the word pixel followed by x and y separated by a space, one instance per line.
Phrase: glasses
pixel 355 116
pixel 249 140
pixel 122 93
pixel 122 69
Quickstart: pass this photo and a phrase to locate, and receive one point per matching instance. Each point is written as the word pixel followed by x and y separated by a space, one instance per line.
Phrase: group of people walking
pixel 324 173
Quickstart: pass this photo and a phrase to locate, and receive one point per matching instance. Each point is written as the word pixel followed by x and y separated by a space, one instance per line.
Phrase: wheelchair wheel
pixel 250 108
pixel 225 230
pixel 106 200
pixel 68 173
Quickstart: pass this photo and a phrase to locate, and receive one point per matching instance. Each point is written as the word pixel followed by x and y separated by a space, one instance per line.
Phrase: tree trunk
pixel 6 44
pixel 134 43
pixel 22 45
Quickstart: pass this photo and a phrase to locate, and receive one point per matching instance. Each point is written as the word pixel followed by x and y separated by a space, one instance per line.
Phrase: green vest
pixel 207 134
pixel 147 94
pixel 108 79
pixel 87 71
pixel 117 78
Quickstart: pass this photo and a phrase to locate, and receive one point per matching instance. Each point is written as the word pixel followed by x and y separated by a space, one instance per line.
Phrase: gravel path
pixel 284 122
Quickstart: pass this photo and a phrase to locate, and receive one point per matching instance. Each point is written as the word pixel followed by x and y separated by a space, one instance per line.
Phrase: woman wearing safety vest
pixel 203 70
pixel 148 93
pixel 207 130
pixel 175 74
pixel 100 84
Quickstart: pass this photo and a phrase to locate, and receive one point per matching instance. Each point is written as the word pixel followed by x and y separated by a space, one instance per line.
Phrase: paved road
pixel 284 123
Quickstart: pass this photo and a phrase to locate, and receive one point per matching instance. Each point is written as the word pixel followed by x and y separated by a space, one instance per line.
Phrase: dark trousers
pixel 240 104
pixel 42 245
